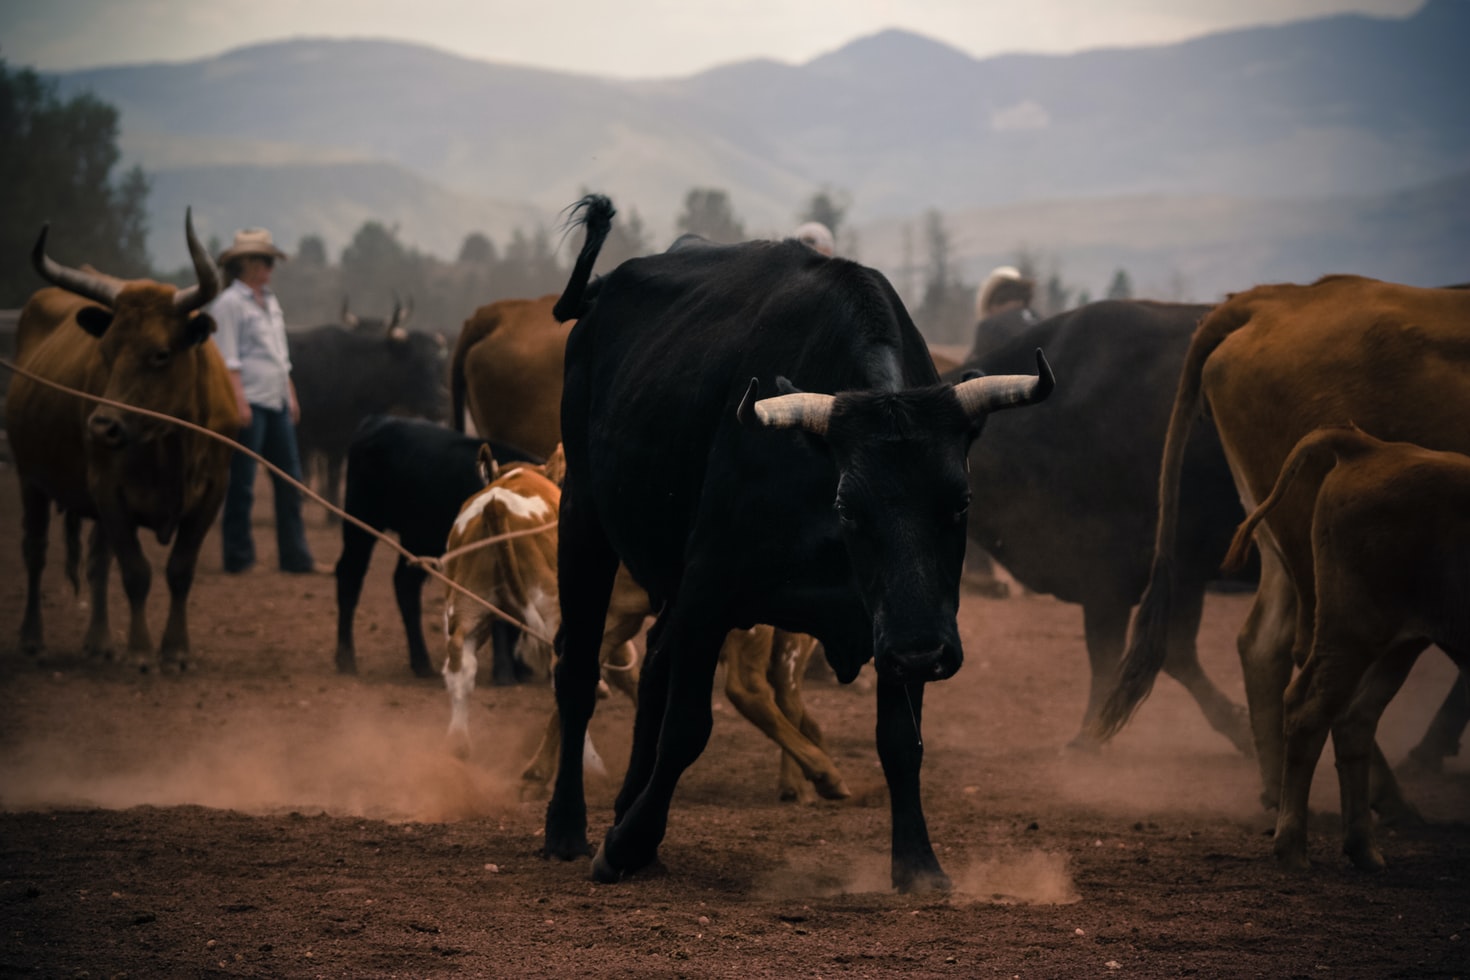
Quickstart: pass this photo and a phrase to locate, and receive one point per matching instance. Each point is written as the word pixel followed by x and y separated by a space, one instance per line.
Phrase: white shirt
pixel 251 335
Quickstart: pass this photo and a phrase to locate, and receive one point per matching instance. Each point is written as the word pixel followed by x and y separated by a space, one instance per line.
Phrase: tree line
pixel 60 163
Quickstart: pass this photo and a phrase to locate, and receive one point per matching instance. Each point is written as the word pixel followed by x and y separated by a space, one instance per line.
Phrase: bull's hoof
pixel 1364 855
pixel 1290 849
pixel 346 663
pixel 603 870
pixel 566 848
pixel 421 668
pixel 1083 743
pixel 929 881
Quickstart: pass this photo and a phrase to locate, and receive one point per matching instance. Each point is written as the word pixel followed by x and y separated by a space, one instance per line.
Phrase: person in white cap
pixel 817 236
pixel 251 335
pixel 1002 309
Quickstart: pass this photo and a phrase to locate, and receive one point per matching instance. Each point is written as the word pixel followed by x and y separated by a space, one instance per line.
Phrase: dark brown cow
pixel 507 372
pixel 145 344
pixel 1391 561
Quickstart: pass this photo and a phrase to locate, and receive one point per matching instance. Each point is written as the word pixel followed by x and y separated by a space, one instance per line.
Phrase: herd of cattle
pixel 752 445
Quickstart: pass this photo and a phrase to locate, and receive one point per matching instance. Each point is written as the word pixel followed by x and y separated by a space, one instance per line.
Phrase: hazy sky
pixel 624 38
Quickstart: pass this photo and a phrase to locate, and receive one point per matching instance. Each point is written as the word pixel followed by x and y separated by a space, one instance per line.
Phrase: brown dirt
pixel 262 816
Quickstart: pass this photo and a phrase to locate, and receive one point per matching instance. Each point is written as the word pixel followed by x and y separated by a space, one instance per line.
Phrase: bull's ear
pixel 94 319
pixel 785 387
pixel 198 329
pixel 971 375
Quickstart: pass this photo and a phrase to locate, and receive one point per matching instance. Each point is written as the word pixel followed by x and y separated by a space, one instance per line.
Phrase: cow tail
pixel 1148 643
pixel 595 212
pixel 479 326
pixel 1339 440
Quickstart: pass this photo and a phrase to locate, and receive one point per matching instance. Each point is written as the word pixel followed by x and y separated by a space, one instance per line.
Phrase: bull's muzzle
pixel 107 430
pixel 912 666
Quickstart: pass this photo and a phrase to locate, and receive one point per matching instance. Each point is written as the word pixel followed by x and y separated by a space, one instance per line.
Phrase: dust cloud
pixel 333 759
pixel 1010 877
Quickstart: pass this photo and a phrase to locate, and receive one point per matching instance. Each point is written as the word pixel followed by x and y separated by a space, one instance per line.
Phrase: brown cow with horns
pixel 145 344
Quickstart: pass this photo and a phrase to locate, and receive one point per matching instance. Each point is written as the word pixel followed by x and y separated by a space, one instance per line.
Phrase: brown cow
pixel 506 372
pixel 763 666
pixel 1274 363
pixel 145 344
pixel 1390 538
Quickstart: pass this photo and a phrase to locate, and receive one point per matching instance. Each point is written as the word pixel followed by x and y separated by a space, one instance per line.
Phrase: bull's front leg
pixel 901 751
pixel 179 573
pixel 36 522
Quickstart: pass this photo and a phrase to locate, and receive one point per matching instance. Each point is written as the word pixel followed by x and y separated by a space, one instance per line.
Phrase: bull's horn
pixel 348 318
pixel 190 298
pixel 801 410
pixel 991 394
pixel 99 289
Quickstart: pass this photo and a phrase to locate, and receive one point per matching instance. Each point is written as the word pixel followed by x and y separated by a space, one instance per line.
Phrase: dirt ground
pixel 262 816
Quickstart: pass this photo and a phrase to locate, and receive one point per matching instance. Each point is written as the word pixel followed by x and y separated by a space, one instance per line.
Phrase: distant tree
pixel 1084 297
pixel 56 163
pixel 1121 286
pixel 947 309
pixel 829 207
pixel 311 251
pixel 376 267
pixel 477 249
pixel 1058 295
pixel 707 212
pixel 530 267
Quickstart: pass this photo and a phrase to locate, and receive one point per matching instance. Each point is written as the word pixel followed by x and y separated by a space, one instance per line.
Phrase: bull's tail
pixel 595 212
pixel 1341 441
pixel 480 325
pixel 1148 644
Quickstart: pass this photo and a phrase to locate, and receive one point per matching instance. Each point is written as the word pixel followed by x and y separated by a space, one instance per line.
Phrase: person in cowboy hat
pixel 251 334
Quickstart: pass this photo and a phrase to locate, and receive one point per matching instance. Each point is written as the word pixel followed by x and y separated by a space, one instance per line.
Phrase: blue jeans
pixel 272 434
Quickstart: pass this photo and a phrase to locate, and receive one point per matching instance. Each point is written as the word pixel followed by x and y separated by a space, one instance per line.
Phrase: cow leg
pixel 504 639
pixel 1182 663
pixel 35 528
pixel 789 659
pixel 1264 646
pixel 137 579
pixel 98 639
pixel 1105 628
pixel 901 751
pixel 460 665
pixel 351 570
pixel 1312 701
pixel 1357 752
pixel 1442 738
pixel 586 568
pixel 178 572
pixel 408 589
pixel 687 653
pixel 332 462
pixel 73 537
pixel 748 665
pixel 648 720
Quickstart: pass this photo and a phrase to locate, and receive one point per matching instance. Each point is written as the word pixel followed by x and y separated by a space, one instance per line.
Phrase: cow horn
pixel 802 410
pixel 98 288
pixel 981 396
pixel 348 318
pixel 190 298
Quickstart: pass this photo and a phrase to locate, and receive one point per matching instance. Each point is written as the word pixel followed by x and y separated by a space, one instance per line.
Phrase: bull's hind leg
pixel 686 653
pixel 790 656
pixel 1442 737
pixel 1182 663
pixel 35 526
pixel 586 568
pixel 98 640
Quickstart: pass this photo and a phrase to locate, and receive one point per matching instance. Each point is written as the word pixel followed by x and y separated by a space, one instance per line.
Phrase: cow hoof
pixel 568 848
pixel 832 789
pixel 1082 744
pixel 422 669
pixel 602 869
pixel 1365 856
pixel 347 664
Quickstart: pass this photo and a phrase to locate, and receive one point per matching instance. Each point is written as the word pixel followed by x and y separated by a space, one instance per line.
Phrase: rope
pixel 429 564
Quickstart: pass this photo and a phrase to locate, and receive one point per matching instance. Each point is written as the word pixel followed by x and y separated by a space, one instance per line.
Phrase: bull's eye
pixel 846 513
pixel 159 357
pixel 962 508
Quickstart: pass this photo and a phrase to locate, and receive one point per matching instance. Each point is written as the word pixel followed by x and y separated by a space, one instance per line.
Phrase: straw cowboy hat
pixel 816 235
pixel 999 276
pixel 251 241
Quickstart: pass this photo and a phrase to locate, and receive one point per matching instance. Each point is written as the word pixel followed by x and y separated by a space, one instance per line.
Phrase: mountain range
pixel 1334 144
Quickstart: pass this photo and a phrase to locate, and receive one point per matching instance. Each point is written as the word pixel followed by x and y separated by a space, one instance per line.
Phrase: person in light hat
pixel 1002 309
pixel 816 235
pixel 251 334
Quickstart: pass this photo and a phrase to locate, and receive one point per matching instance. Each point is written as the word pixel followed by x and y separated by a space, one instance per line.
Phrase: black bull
pixel 848 525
